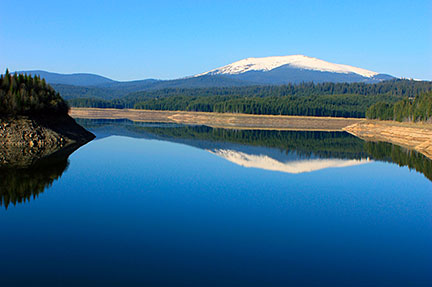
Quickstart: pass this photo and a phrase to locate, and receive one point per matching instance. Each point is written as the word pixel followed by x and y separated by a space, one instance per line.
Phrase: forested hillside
pixel 109 91
pixel 27 95
pixel 408 109
pixel 309 99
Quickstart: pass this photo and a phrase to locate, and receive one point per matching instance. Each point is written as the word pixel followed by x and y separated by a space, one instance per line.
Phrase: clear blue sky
pixel 127 40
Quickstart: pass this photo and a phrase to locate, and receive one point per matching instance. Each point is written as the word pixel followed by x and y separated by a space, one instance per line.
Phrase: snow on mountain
pixel 294 61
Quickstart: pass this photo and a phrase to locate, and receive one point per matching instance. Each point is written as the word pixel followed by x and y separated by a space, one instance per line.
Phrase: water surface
pixel 169 205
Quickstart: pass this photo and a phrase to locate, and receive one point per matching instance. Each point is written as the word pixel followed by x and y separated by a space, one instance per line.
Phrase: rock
pixel 30 137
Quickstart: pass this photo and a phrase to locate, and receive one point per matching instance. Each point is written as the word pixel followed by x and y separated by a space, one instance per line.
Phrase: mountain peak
pixel 293 61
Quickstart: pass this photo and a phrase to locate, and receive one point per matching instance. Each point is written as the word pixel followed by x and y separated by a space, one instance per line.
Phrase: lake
pixel 151 204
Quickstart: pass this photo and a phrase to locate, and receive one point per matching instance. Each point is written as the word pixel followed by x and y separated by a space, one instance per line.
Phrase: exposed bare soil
pixel 417 136
pixel 220 120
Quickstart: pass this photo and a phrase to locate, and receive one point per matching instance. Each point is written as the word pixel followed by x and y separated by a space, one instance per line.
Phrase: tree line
pixel 22 94
pixel 418 109
pixel 308 99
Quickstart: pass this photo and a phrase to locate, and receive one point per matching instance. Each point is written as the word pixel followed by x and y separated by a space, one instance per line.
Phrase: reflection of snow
pixel 268 163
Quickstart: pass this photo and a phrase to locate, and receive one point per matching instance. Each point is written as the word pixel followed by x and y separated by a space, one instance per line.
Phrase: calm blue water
pixel 145 206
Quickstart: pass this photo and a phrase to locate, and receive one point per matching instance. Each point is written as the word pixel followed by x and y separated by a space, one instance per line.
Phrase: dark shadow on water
pixel 21 183
pixel 391 153
pixel 26 180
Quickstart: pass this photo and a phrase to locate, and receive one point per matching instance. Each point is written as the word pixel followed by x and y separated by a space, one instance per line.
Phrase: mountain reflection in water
pixel 145 200
pixel 298 166
pixel 285 151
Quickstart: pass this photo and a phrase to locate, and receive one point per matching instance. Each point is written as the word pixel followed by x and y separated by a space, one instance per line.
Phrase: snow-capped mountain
pixel 251 71
pixel 293 69
pixel 295 61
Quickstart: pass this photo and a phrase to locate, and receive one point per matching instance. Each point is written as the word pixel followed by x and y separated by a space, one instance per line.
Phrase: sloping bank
pixel 34 121
pixel 24 139
pixel 417 136
pixel 219 120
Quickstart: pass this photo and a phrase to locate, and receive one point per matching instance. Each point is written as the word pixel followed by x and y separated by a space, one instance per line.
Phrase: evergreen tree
pixel 26 95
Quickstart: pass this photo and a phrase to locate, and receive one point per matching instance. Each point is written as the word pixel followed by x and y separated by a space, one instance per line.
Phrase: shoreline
pixel 27 139
pixel 416 136
pixel 220 120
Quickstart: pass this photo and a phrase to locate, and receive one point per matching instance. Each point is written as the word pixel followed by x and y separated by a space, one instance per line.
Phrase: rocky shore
pixel 24 140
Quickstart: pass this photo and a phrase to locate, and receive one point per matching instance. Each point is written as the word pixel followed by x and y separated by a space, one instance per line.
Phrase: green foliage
pixel 418 109
pixel 26 95
pixel 380 110
pixel 421 109
pixel 395 88
pixel 327 105
pixel 307 99
pixel 72 92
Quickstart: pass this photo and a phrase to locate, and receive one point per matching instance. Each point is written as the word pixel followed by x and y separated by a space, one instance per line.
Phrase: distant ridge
pixel 278 70
pixel 78 79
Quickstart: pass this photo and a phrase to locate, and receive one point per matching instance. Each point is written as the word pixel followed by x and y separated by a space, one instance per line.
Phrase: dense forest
pixel 408 109
pixel 327 105
pixel 401 100
pixel 27 95
pixel 324 99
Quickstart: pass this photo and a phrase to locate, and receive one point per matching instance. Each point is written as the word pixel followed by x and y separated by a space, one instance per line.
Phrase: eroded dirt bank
pixel 410 135
pixel 415 136
pixel 219 120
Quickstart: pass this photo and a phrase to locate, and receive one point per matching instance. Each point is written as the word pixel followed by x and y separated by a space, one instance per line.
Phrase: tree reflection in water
pixel 19 184
pixel 305 144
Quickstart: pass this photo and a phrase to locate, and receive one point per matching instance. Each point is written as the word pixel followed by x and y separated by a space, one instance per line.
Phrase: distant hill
pixel 205 81
pixel 94 86
pixel 115 90
pixel 79 79
pixel 110 90
pixel 281 70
